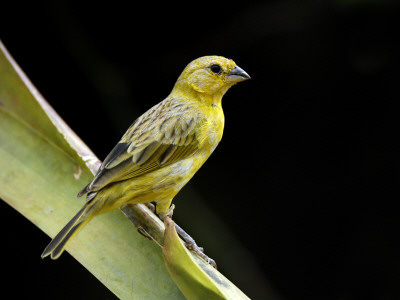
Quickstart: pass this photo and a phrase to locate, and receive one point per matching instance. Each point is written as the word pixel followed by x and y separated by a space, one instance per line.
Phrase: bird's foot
pixel 191 245
pixel 169 213
pixel 189 241
pixel 151 206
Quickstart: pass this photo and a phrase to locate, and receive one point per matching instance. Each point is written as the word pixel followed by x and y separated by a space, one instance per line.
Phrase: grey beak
pixel 237 75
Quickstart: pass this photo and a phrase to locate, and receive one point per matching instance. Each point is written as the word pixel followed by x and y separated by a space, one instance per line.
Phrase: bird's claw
pixel 200 252
pixel 191 245
pixel 189 241
pixel 194 247
pixel 151 206
pixel 169 213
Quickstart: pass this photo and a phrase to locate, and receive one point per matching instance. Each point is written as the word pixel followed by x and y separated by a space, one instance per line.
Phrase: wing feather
pixel 163 135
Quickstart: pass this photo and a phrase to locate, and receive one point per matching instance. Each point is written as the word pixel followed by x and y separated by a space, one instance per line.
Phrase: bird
pixel 162 149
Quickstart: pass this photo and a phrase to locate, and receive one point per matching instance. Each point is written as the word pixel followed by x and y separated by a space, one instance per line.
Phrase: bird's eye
pixel 215 68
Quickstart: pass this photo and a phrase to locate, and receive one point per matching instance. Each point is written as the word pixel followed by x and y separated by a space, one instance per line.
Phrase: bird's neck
pixel 189 93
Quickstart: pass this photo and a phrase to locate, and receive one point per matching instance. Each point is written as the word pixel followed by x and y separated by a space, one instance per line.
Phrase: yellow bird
pixel 162 149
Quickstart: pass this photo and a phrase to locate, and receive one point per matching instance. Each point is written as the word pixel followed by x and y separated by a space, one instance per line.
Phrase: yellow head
pixel 211 75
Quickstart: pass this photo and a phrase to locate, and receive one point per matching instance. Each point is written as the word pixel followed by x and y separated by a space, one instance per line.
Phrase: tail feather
pixel 60 241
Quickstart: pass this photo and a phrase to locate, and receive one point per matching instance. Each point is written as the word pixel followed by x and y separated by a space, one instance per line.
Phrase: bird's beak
pixel 237 75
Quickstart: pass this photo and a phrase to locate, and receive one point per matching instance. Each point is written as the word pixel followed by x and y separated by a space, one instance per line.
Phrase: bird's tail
pixel 58 244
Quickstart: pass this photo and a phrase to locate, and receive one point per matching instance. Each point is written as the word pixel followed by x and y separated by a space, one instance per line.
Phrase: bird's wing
pixel 163 135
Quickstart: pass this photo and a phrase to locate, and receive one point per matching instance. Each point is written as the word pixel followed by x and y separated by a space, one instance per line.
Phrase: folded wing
pixel 163 135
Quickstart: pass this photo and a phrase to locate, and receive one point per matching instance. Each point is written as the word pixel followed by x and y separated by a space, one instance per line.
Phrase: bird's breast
pixel 212 130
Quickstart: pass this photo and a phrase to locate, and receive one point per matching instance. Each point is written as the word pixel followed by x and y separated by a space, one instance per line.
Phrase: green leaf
pixel 195 278
pixel 43 165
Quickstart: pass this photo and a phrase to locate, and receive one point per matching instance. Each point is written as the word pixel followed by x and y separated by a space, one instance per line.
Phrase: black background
pixel 306 176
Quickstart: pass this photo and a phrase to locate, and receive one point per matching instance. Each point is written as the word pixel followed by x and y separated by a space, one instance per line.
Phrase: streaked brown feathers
pixel 146 146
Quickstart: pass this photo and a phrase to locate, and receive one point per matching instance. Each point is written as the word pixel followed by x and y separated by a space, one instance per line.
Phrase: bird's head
pixel 211 76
